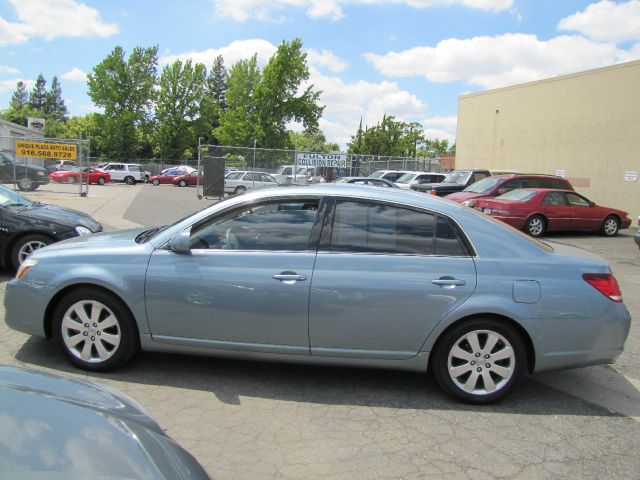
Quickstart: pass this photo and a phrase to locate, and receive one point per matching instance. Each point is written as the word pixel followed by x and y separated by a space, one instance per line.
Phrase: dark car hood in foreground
pixel 115 239
pixel 61 427
pixel 64 216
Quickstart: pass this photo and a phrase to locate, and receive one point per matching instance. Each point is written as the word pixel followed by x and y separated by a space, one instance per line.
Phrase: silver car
pixel 335 274
pixel 241 181
pixel 56 427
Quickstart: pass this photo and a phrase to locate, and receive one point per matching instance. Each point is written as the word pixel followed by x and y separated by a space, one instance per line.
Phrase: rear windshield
pixel 519 195
pixel 484 186
pixel 459 178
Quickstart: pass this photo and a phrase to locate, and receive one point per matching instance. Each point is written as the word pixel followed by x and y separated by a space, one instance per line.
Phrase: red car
pixel 500 184
pixel 73 176
pixel 189 179
pixel 540 210
pixel 168 175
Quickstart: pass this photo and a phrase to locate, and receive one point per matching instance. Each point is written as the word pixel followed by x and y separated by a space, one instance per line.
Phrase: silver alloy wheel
pixel 28 248
pixel 481 362
pixel 101 181
pixel 25 184
pixel 610 226
pixel 535 226
pixel 91 331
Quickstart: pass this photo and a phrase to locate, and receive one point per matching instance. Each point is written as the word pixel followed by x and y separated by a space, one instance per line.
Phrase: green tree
pixel 38 96
pixel 54 107
pixel 181 91
pixel 19 115
pixel 311 141
pixel 391 137
pixel 125 89
pixel 238 123
pixel 277 99
pixel 20 96
pixel 213 102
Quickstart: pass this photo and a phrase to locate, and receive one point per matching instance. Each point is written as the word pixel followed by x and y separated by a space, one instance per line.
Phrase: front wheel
pixel 156 182
pixel 95 330
pixel 610 226
pixel 479 361
pixel 129 180
pixel 26 184
pixel 25 246
pixel 182 183
pixel 535 226
pixel 71 179
pixel 101 181
pixel 240 189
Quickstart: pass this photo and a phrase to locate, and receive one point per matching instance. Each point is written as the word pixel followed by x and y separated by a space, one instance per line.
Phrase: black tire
pixel 240 189
pixel 27 245
pixel 450 364
pixel 101 181
pixel 102 355
pixel 610 226
pixel 182 183
pixel 26 184
pixel 155 182
pixel 536 226
pixel 129 180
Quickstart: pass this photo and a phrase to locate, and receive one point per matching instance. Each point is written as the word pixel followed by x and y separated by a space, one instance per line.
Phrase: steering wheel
pixel 230 240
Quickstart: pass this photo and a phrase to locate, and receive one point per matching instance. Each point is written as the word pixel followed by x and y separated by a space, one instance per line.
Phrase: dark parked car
pixel 26 177
pixel 500 184
pixel 540 210
pixel 61 427
pixel 456 181
pixel 26 226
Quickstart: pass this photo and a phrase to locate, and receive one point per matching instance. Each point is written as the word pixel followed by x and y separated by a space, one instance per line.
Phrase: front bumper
pixel 25 305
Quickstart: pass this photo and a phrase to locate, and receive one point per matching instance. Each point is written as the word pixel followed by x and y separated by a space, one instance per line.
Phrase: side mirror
pixel 592 204
pixel 181 243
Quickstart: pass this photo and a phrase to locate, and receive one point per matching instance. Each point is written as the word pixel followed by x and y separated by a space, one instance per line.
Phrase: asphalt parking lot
pixel 261 420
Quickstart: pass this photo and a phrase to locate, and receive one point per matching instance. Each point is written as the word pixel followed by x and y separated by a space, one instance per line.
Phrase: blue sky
pixel 407 58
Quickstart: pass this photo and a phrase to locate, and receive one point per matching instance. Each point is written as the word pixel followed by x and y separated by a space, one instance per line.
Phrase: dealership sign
pixel 55 151
pixel 338 160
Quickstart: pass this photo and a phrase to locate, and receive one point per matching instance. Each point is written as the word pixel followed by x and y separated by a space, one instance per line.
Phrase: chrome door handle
pixel 289 278
pixel 449 282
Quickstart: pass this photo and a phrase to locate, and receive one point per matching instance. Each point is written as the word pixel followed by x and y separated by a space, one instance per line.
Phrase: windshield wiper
pixel 147 234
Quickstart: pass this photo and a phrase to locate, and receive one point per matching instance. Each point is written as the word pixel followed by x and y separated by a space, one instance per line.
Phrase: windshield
pixel 377 174
pixel 7 157
pixel 406 178
pixel 518 195
pixel 9 198
pixel 459 178
pixel 484 186
pixel 235 175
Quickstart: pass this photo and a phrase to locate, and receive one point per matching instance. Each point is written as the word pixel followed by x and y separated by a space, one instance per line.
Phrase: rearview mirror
pixel 181 243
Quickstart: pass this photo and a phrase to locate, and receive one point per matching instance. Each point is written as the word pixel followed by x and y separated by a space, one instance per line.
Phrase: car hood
pixel 61 427
pixel 462 196
pixel 115 239
pixel 64 216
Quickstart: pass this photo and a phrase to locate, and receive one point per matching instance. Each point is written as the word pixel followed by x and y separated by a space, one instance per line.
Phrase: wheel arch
pixel 12 242
pixel 55 300
pixel 526 338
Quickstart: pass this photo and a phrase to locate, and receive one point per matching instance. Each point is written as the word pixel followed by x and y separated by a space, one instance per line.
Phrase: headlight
pixel 80 230
pixel 25 267
pixel 467 203
pixel 40 173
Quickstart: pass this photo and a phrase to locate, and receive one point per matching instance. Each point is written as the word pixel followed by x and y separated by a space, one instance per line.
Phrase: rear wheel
pixel 71 179
pixel 25 246
pixel 479 361
pixel 95 330
pixel 610 226
pixel 26 184
pixel 101 181
pixel 240 189
pixel 536 226
pixel 182 183
pixel 129 180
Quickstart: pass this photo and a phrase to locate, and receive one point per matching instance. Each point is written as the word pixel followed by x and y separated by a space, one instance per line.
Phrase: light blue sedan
pixel 329 274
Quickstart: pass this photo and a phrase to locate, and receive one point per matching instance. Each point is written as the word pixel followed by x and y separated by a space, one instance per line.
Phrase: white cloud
pixel 8 69
pixel 501 60
pixel 606 21
pixel 326 59
pixel 75 75
pixel 10 85
pixel 270 10
pixel 50 19
pixel 238 50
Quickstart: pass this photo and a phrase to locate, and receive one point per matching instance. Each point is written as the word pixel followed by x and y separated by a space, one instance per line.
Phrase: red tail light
pixel 605 283
pixel 433 192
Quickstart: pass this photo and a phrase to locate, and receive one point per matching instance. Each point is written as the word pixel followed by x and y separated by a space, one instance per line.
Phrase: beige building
pixel 584 126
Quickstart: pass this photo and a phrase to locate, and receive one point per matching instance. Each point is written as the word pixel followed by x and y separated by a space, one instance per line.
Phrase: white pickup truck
pixel 129 173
